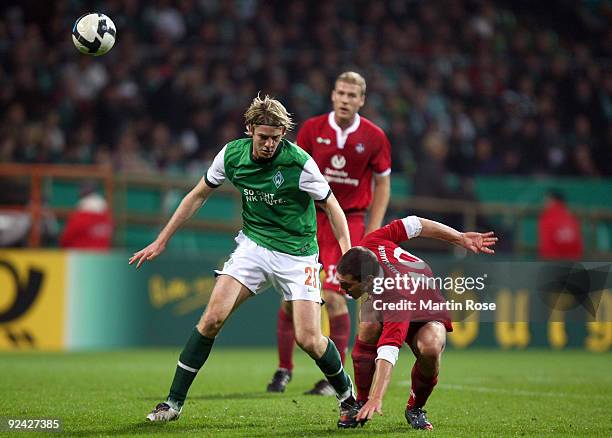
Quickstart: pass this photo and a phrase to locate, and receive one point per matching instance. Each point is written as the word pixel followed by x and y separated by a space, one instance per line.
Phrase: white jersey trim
pixel 390 353
pixel 383 173
pixel 413 226
pixel 313 182
pixel 216 172
pixel 341 135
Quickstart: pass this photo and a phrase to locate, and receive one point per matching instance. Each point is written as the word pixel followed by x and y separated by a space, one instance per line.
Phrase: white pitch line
pixel 512 391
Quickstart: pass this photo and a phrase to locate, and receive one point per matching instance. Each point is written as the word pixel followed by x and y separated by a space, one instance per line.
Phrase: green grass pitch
pixel 481 393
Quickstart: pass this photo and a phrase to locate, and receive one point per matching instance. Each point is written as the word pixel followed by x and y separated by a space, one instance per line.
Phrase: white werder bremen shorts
pixel 258 268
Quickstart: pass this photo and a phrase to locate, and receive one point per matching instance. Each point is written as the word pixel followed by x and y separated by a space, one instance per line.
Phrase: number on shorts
pixel 312 275
pixel 331 275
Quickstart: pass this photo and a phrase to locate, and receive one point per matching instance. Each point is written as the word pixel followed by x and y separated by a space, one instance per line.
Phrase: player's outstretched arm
pixel 471 240
pixel 187 208
pixel 337 219
pixel 382 377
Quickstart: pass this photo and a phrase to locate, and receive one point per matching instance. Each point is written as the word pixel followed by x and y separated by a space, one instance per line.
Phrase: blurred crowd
pixel 460 87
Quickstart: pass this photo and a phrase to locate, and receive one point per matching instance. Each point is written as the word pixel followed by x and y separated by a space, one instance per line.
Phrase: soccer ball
pixel 94 34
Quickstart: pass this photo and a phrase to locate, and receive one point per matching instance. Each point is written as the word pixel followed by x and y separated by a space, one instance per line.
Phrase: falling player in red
pixel 351 153
pixel 383 330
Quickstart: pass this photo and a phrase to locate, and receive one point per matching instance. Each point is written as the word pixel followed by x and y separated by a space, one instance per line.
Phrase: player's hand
pixel 368 410
pixel 479 242
pixel 148 253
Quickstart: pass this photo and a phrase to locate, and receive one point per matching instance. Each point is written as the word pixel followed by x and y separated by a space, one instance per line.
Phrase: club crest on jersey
pixel 323 140
pixel 278 179
pixel 359 147
pixel 338 161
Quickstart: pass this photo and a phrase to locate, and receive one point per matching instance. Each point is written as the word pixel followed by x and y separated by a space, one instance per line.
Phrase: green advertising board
pixel 75 300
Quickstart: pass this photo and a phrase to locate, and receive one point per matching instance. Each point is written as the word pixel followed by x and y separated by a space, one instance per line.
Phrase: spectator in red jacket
pixel 559 233
pixel 90 226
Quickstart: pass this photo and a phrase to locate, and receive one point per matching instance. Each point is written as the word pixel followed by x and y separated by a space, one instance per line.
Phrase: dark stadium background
pixel 489 106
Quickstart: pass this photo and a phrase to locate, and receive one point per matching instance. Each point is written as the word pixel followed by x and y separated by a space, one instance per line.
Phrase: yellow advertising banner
pixel 32 299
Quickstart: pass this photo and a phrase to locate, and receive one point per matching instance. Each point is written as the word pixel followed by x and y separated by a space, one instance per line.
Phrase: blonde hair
pixel 351 77
pixel 268 111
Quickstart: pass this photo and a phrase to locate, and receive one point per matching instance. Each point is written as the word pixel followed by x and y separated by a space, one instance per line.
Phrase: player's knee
pixel 211 324
pixel 432 348
pixel 431 352
pixel 307 342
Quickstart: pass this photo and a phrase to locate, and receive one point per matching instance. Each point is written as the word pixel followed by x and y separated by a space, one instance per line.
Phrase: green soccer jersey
pixel 278 211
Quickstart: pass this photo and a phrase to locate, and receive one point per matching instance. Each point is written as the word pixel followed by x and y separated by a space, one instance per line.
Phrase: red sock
pixel 421 389
pixel 286 340
pixel 339 332
pixel 364 364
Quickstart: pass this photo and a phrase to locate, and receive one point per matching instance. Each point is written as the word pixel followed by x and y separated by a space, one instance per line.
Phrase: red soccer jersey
pixel 347 158
pixel 397 262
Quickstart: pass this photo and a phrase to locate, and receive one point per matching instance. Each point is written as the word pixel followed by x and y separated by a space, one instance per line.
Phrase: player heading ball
pixel 277 245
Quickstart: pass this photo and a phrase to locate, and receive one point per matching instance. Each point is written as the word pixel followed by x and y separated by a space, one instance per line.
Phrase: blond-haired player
pixel 279 184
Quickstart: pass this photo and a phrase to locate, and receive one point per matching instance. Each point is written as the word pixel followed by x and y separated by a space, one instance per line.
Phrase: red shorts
pixel 329 250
